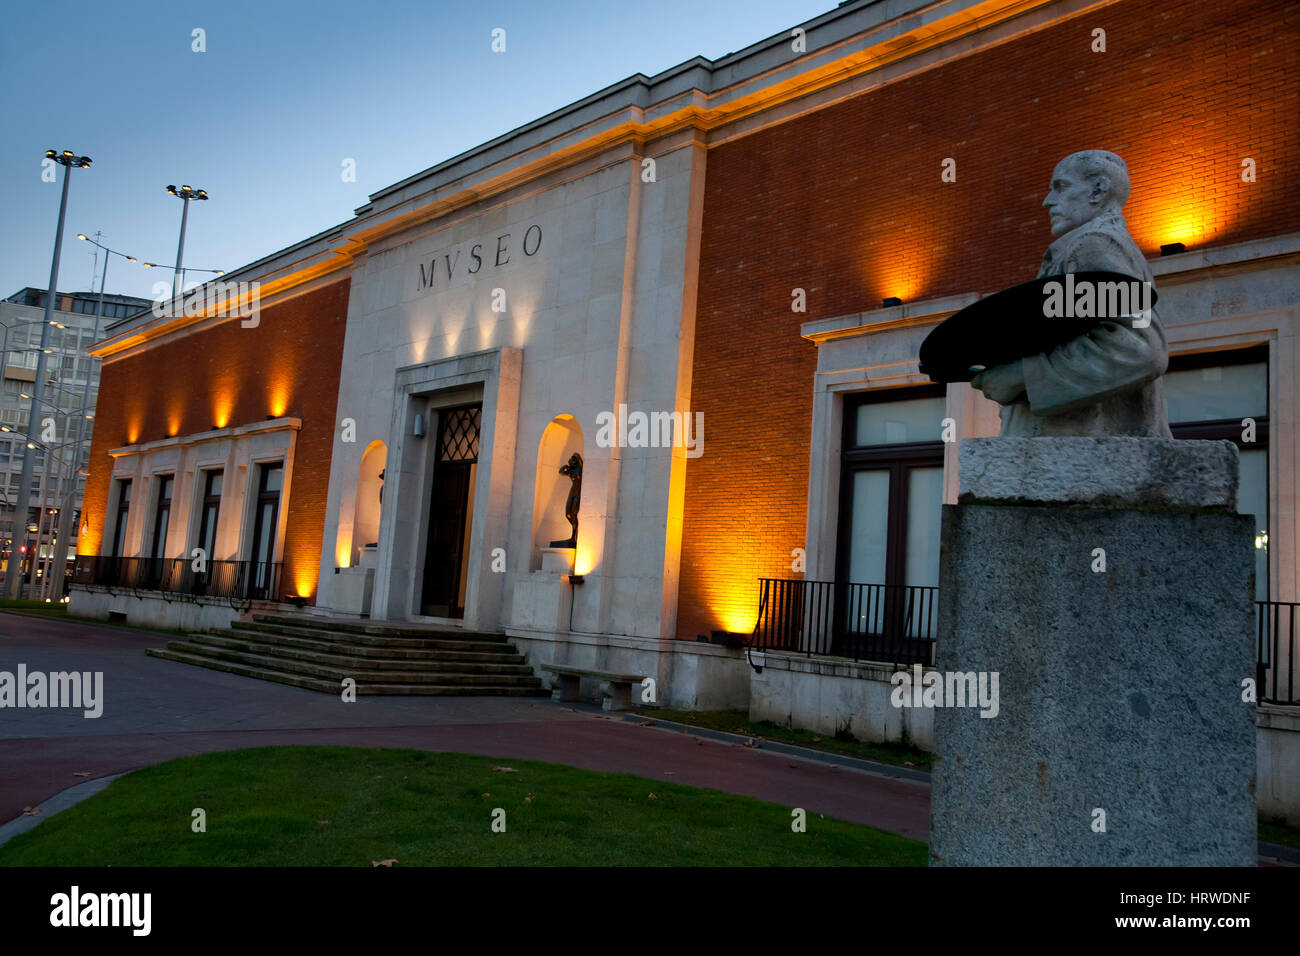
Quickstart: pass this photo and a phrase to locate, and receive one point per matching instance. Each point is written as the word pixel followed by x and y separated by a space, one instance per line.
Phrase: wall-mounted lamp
pixel 893 300
pixel 417 427
pixel 1172 248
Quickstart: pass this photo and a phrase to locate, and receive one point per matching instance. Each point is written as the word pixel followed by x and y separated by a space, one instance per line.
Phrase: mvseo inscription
pixel 442 268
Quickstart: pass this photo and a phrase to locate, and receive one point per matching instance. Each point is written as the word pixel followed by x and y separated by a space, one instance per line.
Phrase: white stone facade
pixel 596 276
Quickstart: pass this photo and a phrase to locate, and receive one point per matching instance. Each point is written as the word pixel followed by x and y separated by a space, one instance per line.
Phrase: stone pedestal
pixel 1120 735
pixel 558 560
pixel 543 600
pixel 353 591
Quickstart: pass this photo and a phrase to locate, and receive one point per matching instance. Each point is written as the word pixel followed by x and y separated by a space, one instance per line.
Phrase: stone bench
pixel 615 689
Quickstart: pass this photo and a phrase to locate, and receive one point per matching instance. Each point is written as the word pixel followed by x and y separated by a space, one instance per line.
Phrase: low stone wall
pixel 149 609
pixel 1277 792
pixel 688 676
pixel 829 695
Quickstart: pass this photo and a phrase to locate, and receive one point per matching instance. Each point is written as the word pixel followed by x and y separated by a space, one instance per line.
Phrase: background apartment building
pixel 72 386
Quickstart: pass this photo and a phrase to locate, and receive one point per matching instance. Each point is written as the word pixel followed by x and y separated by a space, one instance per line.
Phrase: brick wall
pixel 848 204
pixel 287 365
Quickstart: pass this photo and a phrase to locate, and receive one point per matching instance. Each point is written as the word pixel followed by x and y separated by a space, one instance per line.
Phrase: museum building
pixel 712 285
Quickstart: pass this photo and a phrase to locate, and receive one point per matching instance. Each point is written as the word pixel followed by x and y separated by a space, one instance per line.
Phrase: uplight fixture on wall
pixel 417 427
pixel 1172 248
pixel 893 300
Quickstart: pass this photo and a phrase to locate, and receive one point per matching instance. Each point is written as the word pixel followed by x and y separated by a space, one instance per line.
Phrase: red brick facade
pixel 229 375
pixel 848 203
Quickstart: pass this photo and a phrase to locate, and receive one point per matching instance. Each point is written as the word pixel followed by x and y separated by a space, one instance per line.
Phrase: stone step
pixel 486 653
pixel 435 661
pixel 338 672
pixel 366 628
pixel 452 642
pixel 332 687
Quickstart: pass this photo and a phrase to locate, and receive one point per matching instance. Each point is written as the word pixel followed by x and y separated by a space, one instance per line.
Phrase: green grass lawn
pixel 738 722
pixel 53 608
pixel 349 806
pixel 1274 831
pixel 61 610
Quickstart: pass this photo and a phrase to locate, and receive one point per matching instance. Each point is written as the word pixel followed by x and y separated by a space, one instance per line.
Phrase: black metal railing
pixel 236 581
pixel 897 624
pixel 890 623
pixel 1276 651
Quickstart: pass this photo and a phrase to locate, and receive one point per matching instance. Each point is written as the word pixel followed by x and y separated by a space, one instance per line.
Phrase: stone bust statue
pixel 1108 381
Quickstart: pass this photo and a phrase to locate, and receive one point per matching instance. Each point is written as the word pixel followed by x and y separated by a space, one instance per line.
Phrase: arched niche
pixel 562 438
pixel 365 521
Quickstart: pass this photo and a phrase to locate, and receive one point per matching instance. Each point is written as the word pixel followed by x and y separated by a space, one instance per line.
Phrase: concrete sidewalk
pixel 156 710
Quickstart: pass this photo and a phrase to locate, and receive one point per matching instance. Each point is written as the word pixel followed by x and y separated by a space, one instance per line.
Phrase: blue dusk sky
pixel 283 94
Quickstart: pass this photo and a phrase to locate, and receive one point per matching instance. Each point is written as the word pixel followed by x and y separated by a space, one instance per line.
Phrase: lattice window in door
pixel 459 434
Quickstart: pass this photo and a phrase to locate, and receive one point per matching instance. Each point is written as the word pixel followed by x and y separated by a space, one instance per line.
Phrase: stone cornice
pixel 216 434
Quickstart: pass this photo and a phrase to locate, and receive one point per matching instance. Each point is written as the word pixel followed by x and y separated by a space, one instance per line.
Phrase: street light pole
pixel 185 195
pixel 67 160
pixel 60 569
pixel 178 282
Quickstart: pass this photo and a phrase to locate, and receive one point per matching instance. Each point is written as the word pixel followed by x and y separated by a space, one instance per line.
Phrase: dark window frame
pixel 898 459
pixel 266 497
pixel 162 509
pixel 122 515
pixel 210 504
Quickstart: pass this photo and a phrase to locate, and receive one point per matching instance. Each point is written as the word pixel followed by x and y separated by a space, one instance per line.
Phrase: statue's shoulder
pixel 1104 246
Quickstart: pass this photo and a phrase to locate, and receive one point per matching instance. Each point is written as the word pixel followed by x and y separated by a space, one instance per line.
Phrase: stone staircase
pixel 318 654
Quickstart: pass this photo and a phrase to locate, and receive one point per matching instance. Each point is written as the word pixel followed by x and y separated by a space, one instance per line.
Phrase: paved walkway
pixel 156 710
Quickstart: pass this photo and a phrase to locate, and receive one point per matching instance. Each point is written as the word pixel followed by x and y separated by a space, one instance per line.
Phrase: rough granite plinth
pixel 1123 472
pixel 1120 690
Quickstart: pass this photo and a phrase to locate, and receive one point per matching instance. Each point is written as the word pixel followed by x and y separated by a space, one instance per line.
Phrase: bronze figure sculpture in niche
pixel 574 470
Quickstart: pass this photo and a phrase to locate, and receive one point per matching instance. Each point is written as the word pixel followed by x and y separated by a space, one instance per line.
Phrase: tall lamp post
pixel 60 568
pixel 186 195
pixel 70 161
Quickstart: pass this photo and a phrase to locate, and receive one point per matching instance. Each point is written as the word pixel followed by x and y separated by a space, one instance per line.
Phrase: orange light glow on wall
pixel 905 269
pixel 736 617
pixel 133 430
pixel 223 403
pixel 730 590
pixel 1187 215
pixel 306 585
pixel 278 391
pixel 585 561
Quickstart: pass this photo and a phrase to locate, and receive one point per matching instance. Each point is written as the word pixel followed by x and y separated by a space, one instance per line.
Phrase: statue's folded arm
pixel 1106 361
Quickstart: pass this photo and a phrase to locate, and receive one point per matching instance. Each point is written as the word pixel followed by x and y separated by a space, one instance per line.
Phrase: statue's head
pixel 1085 185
